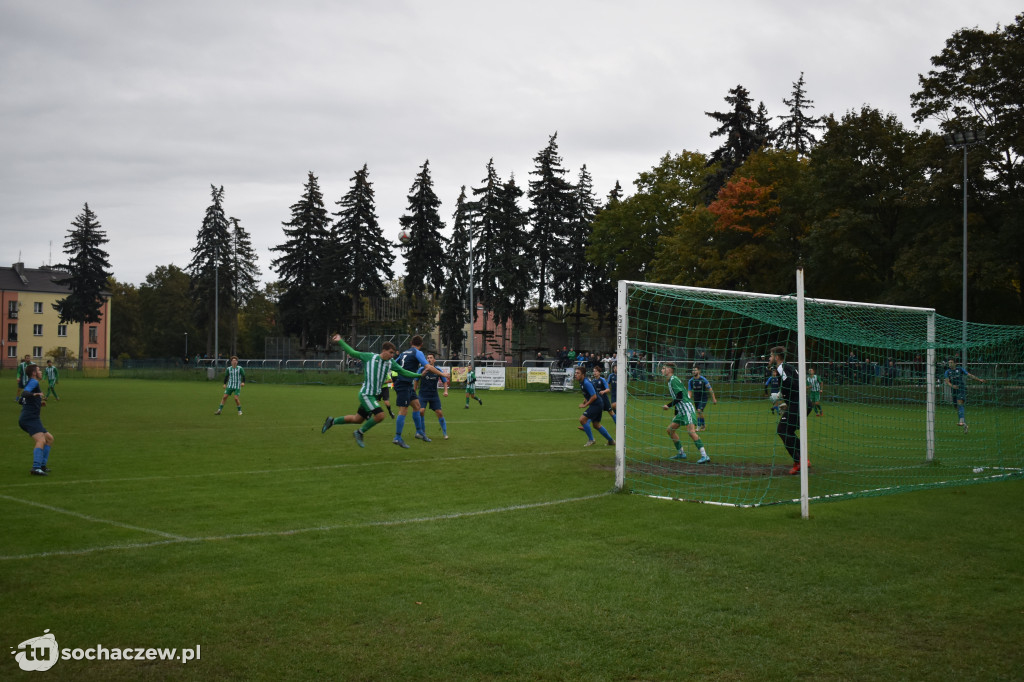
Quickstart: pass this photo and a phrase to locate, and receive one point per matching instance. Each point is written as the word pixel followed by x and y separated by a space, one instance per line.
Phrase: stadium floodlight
pixel 962 139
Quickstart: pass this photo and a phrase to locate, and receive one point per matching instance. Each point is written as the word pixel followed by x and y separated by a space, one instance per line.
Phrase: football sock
pixel 700 445
pixel 678 445
pixel 399 425
pixel 604 432
pixel 700 421
pixel 613 418
pixel 369 424
pixel 37 458
pixel 444 426
pixel 46 454
pixel 420 423
pixel 960 412
pixel 587 430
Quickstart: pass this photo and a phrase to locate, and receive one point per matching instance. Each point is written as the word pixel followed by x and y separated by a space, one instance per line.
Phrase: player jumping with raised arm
pixel 686 415
pixel 375 370
pixel 429 397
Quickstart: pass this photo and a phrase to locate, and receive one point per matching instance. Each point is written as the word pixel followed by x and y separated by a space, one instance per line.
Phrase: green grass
pixel 500 553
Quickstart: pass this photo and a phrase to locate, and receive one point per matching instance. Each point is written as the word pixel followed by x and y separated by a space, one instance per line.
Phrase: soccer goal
pixel 885 420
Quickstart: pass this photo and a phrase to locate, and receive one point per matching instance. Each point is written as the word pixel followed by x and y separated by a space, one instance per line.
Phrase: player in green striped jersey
pixel 22 376
pixel 376 369
pixel 686 414
pixel 471 386
pixel 814 391
pixel 51 379
pixel 234 380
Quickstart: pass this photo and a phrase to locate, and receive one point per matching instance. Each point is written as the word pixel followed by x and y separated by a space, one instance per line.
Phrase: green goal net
pixel 893 391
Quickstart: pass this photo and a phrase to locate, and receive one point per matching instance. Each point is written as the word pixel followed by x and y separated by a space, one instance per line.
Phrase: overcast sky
pixel 138 107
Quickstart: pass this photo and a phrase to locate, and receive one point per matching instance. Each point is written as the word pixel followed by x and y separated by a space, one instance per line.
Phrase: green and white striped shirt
pixel 234 377
pixel 376 370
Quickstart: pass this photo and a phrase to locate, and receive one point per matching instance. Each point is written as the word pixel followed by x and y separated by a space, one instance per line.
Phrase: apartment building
pixel 32 327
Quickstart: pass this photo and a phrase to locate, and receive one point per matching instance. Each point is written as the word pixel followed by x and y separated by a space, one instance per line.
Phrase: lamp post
pixel 962 140
pixel 186 347
pixel 472 310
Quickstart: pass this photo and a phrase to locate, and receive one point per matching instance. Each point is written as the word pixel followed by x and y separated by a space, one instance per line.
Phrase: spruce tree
pixel 571 282
pixel 298 266
pixel 484 231
pixel 243 276
pixel 739 128
pixel 455 299
pixel 425 250
pixel 510 258
pixel 551 217
pixel 362 251
pixel 210 268
pixel 88 273
pixel 797 128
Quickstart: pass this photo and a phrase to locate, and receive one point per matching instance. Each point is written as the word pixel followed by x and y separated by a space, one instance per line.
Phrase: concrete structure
pixel 31 326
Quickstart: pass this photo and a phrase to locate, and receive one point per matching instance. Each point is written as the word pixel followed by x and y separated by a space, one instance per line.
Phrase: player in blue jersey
pixel 376 368
pixel 414 361
pixel 429 396
pixel 956 378
pixel 698 388
pixel 613 390
pixel 604 390
pixel 32 401
pixel 592 407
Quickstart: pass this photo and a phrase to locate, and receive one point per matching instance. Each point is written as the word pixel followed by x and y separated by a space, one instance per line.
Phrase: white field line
pixel 175 539
pixel 93 519
pixel 51 481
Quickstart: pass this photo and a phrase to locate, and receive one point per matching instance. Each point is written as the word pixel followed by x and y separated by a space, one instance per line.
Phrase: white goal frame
pixel 623 376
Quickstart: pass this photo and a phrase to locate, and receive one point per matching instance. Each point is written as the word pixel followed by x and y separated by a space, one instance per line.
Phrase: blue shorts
pixel 404 394
pixel 432 402
pixel 32 426
pixel 699 404
pixel 593 413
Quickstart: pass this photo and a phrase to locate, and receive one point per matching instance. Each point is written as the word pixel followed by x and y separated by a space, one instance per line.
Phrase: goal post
pixel 881 417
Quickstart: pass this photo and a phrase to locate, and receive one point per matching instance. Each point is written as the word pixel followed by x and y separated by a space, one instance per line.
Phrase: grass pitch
pixel 285 553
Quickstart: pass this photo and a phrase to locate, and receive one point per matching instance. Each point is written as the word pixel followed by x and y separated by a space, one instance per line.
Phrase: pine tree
pixel 739 128
pixel 797 129
pixel 425 250
pixel 210 268
pixel 362 248
pixel 455 299
pixel 572 281
pixel 299 265
pixel 551 217
pixel 602 290
pixel 485 211
pixel 243 276
pixel 88 273
pixel 510 258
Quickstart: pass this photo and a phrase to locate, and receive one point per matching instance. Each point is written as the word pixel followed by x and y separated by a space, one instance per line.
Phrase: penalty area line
pixel 93 519
pixel 180 539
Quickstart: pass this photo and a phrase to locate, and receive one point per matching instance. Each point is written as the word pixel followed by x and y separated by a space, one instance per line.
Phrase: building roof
pixel 19 278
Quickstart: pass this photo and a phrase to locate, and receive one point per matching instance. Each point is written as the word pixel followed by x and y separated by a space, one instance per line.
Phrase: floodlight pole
pixel 472 310
pixel 963 140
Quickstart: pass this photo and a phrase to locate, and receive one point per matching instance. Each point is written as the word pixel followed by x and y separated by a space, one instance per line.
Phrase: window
pixel 37 307
pixel 37 330
pixel 62 330
pixel 12 351
pixel 92 334
pixel 12 310
pixel 92 353
pixel 12 331
pixel 37 351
